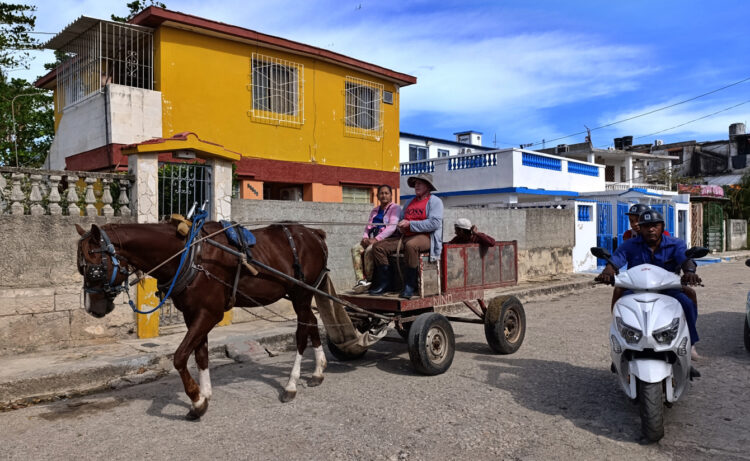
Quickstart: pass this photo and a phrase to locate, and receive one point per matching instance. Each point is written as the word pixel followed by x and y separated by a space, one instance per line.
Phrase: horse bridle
pixel 98 272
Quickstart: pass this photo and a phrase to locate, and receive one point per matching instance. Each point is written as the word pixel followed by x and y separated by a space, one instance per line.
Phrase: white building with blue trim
pixel 523 178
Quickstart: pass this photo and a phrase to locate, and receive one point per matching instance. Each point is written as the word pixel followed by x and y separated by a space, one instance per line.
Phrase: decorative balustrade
pixel 582 168
pixel 424 166
pixel 472 161
pixel 541 161
pixel 634 185
pixel 25 191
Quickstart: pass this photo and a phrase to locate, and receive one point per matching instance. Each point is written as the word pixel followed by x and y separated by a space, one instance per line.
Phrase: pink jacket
pixel 390 217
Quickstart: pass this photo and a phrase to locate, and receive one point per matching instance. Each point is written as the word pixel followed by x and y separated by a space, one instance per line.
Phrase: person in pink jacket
pixel 381 224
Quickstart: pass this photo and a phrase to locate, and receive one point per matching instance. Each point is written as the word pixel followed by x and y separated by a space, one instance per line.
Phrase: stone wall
pixel 545 236
pixel 40 288
pixel 736 234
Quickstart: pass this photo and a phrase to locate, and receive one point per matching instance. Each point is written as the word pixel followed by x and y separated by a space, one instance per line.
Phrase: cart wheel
pixel 431 344
pixel 505 324
pixel 404 332
pixel 342 355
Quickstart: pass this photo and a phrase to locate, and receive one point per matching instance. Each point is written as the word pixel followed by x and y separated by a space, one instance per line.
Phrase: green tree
pixel 16 23
pixel 32 111
pixel 136 7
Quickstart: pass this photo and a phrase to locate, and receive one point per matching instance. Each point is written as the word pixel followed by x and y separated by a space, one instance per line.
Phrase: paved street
pixel 554 399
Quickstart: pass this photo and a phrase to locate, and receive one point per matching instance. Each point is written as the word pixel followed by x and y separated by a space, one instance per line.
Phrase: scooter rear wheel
pixel 651 403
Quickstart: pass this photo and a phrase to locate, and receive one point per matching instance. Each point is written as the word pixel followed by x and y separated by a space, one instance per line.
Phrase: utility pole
pixel 13 118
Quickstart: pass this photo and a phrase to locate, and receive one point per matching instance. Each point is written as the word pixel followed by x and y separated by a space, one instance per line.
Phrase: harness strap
pixel 297 268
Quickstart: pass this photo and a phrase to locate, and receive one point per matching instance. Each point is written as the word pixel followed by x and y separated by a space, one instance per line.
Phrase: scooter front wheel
pixel 651 402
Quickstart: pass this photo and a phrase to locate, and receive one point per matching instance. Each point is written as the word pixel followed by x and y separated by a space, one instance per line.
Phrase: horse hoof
pixel 315 381
pixel 195 413
pixel 288 396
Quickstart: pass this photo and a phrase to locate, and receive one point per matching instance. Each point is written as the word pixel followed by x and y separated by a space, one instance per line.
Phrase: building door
pixel 713 226
pixel 682 226
pixel 604 228
pixel 623 223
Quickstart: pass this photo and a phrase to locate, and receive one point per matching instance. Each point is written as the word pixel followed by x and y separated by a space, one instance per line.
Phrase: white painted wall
pixel 508 171
pixel 134 115
pixel 585 238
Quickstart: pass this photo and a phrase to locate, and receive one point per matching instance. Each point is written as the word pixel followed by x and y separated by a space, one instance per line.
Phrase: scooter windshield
pixel 647 277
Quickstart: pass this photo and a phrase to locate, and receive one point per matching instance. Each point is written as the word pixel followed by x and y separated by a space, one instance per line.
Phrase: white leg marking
pixel 320 362
pixel 205 383
pixel 291 386
pixel 199 403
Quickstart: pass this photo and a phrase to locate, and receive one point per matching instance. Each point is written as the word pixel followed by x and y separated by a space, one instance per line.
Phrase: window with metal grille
pixel 277 87
pixel 356 194
pixel 364 113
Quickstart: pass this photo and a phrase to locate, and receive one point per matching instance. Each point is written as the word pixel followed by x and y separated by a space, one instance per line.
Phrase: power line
pixel 691 121
pixel 645 113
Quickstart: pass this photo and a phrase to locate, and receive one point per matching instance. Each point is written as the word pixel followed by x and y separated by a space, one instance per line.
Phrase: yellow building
pixel 309 123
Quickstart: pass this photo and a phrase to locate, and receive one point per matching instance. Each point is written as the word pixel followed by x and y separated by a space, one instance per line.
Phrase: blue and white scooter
pixel 650 341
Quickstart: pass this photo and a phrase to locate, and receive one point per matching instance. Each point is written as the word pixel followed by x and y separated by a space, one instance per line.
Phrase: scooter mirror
pixel 696 252
pixel 600 252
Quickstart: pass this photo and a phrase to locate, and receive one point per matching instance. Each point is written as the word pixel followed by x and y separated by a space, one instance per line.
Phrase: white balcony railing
pixel 626 186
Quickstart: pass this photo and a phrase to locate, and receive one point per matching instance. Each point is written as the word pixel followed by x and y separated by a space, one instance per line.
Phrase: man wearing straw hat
pixel 420 228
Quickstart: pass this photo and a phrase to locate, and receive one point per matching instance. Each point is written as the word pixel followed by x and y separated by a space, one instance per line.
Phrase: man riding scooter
pixel 652 246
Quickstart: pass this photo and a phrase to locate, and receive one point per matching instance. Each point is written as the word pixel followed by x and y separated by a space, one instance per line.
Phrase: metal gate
pixel 181 185
pixel 713 226
pixel 623 223
pixel 603 228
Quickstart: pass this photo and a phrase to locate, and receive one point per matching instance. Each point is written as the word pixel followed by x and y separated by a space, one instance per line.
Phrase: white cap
pixel 463 223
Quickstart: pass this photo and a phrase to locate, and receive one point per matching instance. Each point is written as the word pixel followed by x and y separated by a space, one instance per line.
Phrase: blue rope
pixel 195 229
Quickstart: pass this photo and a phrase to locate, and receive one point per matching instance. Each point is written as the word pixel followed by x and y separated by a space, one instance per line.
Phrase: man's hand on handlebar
pixel 607 276
pixel 690 278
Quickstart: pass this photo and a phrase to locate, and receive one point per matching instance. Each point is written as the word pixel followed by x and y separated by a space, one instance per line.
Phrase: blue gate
pixel 623 223
pixel 670 219
pixel 603 228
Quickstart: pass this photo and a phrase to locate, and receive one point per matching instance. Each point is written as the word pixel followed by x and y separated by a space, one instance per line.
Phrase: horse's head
pixel 103 276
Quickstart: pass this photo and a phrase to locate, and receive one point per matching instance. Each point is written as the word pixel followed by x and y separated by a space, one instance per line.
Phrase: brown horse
pixel 108 254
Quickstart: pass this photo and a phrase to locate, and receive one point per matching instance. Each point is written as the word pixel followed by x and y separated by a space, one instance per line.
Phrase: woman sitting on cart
pixel 420 229
pixel 381 225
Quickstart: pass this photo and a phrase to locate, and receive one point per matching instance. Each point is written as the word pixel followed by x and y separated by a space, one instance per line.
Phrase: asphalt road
pixel 553 399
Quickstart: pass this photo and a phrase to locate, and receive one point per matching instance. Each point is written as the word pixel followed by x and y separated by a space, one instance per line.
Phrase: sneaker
pixel 361 286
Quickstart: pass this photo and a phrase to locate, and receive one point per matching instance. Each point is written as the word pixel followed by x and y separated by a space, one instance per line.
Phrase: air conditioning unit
pixel 293 194
pixel 387 97
pixel 658 142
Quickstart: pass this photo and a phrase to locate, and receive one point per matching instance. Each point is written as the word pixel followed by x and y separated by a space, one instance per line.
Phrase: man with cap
pixel 420 228
pixel 652 246
pixel 633 213
pixel 466 233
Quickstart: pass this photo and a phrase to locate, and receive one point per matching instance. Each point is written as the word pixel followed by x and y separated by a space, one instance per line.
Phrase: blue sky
pixel 518 71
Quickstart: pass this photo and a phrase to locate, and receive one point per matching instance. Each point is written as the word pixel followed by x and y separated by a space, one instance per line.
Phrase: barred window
pixel 277 87
pixel 364 113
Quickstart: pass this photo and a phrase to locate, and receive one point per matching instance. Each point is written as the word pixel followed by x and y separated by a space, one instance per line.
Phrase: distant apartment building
pixel 415 147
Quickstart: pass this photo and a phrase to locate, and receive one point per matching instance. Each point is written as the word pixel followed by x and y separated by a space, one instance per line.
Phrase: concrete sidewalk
pixel 39 377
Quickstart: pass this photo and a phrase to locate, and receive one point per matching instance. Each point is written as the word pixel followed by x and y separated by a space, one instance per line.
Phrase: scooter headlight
pixel 631 335
pixel 667 334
